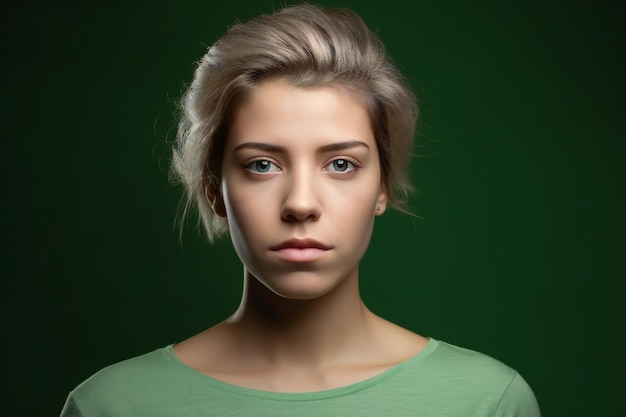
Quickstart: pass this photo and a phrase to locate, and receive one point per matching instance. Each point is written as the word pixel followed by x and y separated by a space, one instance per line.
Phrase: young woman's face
pixel 301 185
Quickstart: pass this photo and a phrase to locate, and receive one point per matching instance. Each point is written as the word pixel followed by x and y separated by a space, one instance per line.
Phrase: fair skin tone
pixel 301 187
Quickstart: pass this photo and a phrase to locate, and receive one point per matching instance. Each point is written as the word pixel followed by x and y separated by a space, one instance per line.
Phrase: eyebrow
pixel 333 147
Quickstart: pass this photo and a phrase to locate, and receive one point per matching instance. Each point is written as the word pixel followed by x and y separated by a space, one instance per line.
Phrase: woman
pixel 294 137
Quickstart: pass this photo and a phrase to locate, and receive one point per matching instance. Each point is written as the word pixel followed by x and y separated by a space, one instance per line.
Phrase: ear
pixel 215 198
pixel 381 200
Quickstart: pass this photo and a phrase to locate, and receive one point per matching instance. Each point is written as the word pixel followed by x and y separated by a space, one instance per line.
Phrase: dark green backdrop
pixel 519 252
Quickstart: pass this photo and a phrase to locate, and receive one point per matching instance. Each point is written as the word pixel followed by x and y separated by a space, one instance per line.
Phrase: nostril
pixel 299 216
pixel 300 212
pixel 301 201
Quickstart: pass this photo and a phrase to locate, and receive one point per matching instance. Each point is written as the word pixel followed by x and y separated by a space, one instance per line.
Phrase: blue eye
pixel 341 165
pixel 262 166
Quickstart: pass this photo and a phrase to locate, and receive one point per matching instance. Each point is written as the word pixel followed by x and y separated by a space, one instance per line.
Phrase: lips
pixel 300 250
pixel 301 244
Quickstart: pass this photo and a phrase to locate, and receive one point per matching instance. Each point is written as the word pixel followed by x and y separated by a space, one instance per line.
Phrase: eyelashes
pixel 343 165
pixel 340 165
pixel 261 166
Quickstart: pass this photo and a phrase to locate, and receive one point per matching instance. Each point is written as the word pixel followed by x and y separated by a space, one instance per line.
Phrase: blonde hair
pixel 307 46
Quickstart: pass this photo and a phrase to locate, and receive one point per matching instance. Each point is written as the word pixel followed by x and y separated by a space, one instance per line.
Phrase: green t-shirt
pixel 443 380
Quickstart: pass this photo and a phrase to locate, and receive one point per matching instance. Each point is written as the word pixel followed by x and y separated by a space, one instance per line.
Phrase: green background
pixel 519 251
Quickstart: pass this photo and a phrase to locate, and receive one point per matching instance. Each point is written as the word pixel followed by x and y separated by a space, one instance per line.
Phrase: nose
pixel 301 201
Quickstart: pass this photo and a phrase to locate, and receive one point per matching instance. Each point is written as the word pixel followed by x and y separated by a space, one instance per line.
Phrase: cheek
pixel 240 212
pixel 246 212
pixel 353 210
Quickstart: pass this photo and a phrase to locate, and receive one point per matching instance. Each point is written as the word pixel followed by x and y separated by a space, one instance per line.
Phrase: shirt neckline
pixel 168 351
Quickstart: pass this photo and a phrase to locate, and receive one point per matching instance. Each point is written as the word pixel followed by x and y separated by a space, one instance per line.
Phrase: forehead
pixel 277 111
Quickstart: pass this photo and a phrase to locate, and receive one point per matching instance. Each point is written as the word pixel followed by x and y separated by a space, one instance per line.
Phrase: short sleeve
pixel 70 409
pixel 518 400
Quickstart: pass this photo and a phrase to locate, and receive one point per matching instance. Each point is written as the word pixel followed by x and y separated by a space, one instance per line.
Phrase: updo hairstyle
pixel 307 46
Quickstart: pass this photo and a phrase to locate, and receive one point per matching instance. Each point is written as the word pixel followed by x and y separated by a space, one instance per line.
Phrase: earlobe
pixel 381 202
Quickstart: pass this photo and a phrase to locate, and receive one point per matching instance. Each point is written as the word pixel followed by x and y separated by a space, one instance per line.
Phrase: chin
pixel 302 285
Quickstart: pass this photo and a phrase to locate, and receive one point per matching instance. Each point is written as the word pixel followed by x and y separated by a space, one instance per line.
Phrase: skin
pixel 300 165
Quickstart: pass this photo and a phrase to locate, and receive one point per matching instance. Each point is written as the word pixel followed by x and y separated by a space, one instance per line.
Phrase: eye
pixel 342 165
pixel 262 166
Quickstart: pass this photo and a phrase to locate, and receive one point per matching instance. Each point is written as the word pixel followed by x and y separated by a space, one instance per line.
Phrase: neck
pixel 308 332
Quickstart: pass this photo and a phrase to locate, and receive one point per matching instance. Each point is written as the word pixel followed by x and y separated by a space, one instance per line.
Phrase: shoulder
pixel 455 360
pixel 118 375
pixel 472 380
pixel 143 378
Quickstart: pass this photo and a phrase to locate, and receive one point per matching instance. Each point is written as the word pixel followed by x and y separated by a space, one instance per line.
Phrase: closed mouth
pixel 301 244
